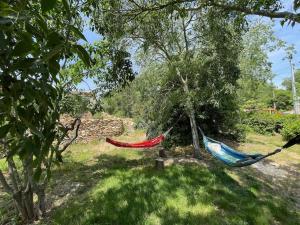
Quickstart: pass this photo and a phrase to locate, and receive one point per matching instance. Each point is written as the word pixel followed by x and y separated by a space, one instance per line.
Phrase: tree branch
pixel 281 15
pixel 76 122
pixel 294 17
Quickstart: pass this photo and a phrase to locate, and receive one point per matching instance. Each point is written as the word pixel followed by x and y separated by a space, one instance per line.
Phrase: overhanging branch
pixel 286 15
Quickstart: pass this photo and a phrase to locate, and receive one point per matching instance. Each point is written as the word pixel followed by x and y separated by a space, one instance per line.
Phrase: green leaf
pixel 22 48
pixel 23 63
pixel 4 130
pixel 48 5
pixel 54 39
pixel 77 33
pixel 54 52
pixel 32 30
pixel 83 55
pixel 54 66
pixel 282 22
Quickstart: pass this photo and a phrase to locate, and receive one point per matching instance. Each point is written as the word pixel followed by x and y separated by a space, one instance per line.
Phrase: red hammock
pixel 144 144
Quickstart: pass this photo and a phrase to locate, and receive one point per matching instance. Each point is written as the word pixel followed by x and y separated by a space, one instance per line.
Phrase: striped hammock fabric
pixel 234 158
pixel 228 155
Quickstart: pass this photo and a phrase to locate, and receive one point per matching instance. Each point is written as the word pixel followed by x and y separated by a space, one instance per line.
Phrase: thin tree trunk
pixel 27 194
pixel 191 114
pixel 195 135
pixel 40 191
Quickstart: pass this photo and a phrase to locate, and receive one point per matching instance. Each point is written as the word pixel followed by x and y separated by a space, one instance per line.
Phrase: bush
pixel 265 123
pixel 290 129
pixel 262 123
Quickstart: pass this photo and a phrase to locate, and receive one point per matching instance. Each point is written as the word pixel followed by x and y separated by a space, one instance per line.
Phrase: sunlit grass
pixel 181 194
pixel 256 143
pixel 120 186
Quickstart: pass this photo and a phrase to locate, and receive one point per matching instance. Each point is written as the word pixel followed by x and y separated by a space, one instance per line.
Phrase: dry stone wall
pixel 95 129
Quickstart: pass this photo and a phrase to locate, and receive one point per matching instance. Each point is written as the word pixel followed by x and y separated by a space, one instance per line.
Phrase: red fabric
pixel 144 144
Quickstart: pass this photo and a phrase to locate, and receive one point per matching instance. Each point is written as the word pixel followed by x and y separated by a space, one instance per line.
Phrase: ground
pixel 101 184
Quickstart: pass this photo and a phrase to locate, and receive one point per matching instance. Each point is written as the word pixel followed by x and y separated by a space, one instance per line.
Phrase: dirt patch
pixel 271 169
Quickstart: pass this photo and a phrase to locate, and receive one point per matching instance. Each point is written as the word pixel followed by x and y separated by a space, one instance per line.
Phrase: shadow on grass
pixel 132 192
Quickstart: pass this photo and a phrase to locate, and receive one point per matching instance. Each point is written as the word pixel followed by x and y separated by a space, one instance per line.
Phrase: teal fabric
pixel 228 155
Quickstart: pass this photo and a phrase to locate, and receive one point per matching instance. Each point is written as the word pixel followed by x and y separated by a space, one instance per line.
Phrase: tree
pixel 188 43
pixel 111 69
pixel 283 100
pixel 34 39
pixel 256 70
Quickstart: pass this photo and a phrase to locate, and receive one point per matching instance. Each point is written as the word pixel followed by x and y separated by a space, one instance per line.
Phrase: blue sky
pixel 280 67
pixel 291 35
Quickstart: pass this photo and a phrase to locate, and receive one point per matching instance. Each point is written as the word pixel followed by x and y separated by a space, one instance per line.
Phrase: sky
pixel 280 67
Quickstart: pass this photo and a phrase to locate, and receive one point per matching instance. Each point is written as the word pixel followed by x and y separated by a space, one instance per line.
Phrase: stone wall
pixel 95 129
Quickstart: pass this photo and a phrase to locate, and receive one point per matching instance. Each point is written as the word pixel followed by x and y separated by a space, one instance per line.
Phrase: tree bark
pixel 40 191
pixel 4 183
pixel 159 164
pixel 191 114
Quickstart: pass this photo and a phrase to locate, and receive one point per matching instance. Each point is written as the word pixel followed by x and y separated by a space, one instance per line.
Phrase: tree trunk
pixel 159 164
pixel 41 200
pixel 195 135
pixel 23 201
pixel 191 114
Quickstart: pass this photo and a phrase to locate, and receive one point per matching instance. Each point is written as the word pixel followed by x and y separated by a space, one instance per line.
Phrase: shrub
pixel 265 123
pixel 291 128
pixel 262 123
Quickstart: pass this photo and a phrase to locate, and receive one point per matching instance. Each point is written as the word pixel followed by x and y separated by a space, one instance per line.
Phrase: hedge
pixel 265 123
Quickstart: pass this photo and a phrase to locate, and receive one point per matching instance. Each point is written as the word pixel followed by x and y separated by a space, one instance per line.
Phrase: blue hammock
pixel 234 158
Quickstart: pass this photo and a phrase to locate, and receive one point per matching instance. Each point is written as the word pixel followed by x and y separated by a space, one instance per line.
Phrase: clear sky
pixel 280 67
pixel 291 35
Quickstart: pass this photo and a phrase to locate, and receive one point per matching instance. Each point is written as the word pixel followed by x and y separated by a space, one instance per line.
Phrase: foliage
pixel 34 38
pixel 262 123
pixel 291 128
pixel 111 69
pixel 282 100
pixel 265 123
pixel 200 69
pixel 258 41
pixel 75 104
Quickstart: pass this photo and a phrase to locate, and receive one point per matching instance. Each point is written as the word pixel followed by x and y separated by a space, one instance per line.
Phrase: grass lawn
pixel 120 186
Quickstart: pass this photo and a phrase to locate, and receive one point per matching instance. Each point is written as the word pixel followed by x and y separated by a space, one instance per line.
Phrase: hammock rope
pixel 235 158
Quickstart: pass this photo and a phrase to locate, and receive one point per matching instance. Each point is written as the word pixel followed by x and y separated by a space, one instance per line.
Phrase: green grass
pixel 257 143
pixel 121 187
pixel 181 194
